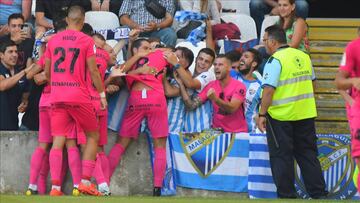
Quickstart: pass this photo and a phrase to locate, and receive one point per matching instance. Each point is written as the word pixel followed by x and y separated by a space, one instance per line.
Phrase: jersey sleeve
pixel 91 50
pixel 204 79
pixel 347 62
pixel 240 92
pixel 271 73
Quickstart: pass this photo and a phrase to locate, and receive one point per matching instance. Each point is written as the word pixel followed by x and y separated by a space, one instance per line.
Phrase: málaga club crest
pixel 206 150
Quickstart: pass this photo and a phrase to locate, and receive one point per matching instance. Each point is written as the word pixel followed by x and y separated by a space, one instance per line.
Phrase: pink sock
pixel 114 157
pixel 87 169
pixel 44 172
pixel 98 172
pixel 75 164
pixel 64 168
pixel 159 166
pixel 56 160
pixel 105 166
pixel 35 164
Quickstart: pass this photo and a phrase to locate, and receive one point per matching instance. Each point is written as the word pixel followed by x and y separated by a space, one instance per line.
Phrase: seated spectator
pixel 135 15
pixel 295 27
pixel 22 39
pixel 209 7
pixel 249 62
pixel 9 7
pixel 259 8
pixel 13 92
pixel 227 96
pixel 47 11
pixel 107 5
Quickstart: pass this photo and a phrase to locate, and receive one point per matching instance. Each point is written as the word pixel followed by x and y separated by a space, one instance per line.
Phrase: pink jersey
pixel 229 122
pixel 102 58
pixel 45 96
pixel 68 52
pixel 155 60
pixel 351 64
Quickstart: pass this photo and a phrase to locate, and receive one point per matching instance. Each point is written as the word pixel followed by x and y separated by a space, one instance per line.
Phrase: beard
pixel 246 70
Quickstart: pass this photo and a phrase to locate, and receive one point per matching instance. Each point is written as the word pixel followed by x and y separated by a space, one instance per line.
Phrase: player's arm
pixel 344 82
pixel 188 80
pixel 169 89
pixel 190 104
pixel 96 78
pixel 35 70
pixel 227 106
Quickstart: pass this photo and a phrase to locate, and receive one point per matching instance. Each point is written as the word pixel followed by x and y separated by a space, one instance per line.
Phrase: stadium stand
pixel 102 20
pixel 328 38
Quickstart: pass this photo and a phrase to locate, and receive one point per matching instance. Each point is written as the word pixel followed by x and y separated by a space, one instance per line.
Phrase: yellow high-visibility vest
pixel 293 98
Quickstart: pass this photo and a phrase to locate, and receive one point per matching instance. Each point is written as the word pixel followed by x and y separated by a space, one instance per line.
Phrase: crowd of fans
pixel 163 91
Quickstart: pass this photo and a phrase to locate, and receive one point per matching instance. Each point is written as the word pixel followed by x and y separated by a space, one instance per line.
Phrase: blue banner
pixel 335 159
pixel 211 160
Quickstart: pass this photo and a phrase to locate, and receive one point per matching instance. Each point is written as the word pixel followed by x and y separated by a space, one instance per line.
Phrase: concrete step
pixel 326 127
pixel 329 101
pixel 326 59
pixel 333 22
pixel 331 114
pixel 337 47
pixel 325 73
pixel 332 33
pixel 325 87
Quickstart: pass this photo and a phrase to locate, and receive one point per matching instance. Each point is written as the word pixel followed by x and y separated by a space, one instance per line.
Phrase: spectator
pixel 234 57
pixel 209 7
pixel 107 5
pixel 258 9
pixel 249 62
pixel 9 7
pixel 22 39
pixel 48 11
pixel 226 95
pixel 287 113
pixel 295 28
pixel 135 15
pixel 13 92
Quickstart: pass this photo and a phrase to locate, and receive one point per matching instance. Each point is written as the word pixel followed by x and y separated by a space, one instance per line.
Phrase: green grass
pixel 136 199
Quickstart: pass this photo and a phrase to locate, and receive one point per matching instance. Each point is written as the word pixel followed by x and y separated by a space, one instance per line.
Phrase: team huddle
pixel 73 106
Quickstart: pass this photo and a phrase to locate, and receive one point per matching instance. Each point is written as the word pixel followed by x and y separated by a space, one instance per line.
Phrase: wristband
pixel 102 95
pixel 262 115
pixel 176 66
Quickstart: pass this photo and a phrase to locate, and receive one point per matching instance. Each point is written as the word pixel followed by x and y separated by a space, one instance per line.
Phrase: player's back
pixel 68 51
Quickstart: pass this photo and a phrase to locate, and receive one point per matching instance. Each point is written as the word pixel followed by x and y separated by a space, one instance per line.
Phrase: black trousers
pixel 296 139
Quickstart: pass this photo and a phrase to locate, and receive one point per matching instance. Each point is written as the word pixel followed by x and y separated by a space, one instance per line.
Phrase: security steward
pixel 287 113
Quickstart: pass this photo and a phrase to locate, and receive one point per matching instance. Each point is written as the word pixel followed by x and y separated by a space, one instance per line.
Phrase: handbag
pixel 155 8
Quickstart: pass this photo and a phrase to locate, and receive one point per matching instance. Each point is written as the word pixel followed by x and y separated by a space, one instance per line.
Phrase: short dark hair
pixel 276 33
pixel 187 54
pixel 256 56
pixel 5 44
pixel 99 36
pixel 60 25
pixel 224 56
pixel 137 43
pixel 15 16
pixel 207 51
pixel 233 55
pixel 87 29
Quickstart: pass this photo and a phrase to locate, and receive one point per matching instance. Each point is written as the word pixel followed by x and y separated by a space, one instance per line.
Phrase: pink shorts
pixel 44 125
pixel 64 115
pixel 102 123
pixel 354 122
pixel 153 108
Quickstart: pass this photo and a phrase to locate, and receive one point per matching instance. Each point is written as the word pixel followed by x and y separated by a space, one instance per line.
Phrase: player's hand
pixel 178 79
pixel 40 78
pixel 171 57
pixel 261 123
pixel 103 103
pixel 146 69
pixel 23 105
pixel 105 5
pixel 211 94
pixel 356 83
pixel 111 89
pixel 151 26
